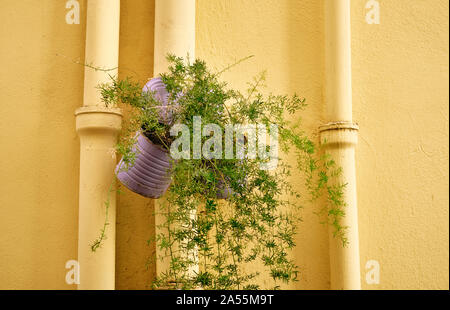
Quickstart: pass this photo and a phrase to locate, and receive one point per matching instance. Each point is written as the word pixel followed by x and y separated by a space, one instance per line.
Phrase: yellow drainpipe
pixel 340 136
pixel 174 33
pixel 97 128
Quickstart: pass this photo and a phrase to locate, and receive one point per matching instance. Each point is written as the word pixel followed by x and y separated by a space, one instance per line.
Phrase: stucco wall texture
pixel 400 100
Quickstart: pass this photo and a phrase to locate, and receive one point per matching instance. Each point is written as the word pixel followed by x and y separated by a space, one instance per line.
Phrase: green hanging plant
pixel 210 242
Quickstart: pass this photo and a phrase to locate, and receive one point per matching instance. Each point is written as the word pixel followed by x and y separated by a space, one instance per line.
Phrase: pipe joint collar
pixel 339 133
pixel 98 119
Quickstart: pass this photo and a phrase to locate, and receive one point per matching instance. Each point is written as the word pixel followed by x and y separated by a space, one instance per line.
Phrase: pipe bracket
pixel 339 133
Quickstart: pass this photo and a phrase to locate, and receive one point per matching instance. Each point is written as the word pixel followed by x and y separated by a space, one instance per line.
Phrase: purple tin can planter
pixel 158 88
pixel 150 174
pixel 223 191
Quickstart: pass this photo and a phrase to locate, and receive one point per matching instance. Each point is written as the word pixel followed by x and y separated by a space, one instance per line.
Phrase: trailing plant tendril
pixel 98 242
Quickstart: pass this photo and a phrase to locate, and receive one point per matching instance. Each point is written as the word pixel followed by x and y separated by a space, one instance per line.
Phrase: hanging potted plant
pixel 189 130
pixel 146 167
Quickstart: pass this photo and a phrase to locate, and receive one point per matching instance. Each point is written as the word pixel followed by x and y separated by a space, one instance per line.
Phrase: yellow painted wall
pixel 135 220
pixel 39 92
pixel 400 94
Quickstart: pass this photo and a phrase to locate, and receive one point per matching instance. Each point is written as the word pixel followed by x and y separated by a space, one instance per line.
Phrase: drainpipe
pixel 174 33
pixel 339 137
pixel 98 127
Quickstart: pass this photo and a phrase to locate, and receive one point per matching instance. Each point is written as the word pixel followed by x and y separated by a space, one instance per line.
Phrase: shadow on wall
pixel 304 35
pixel 135 214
